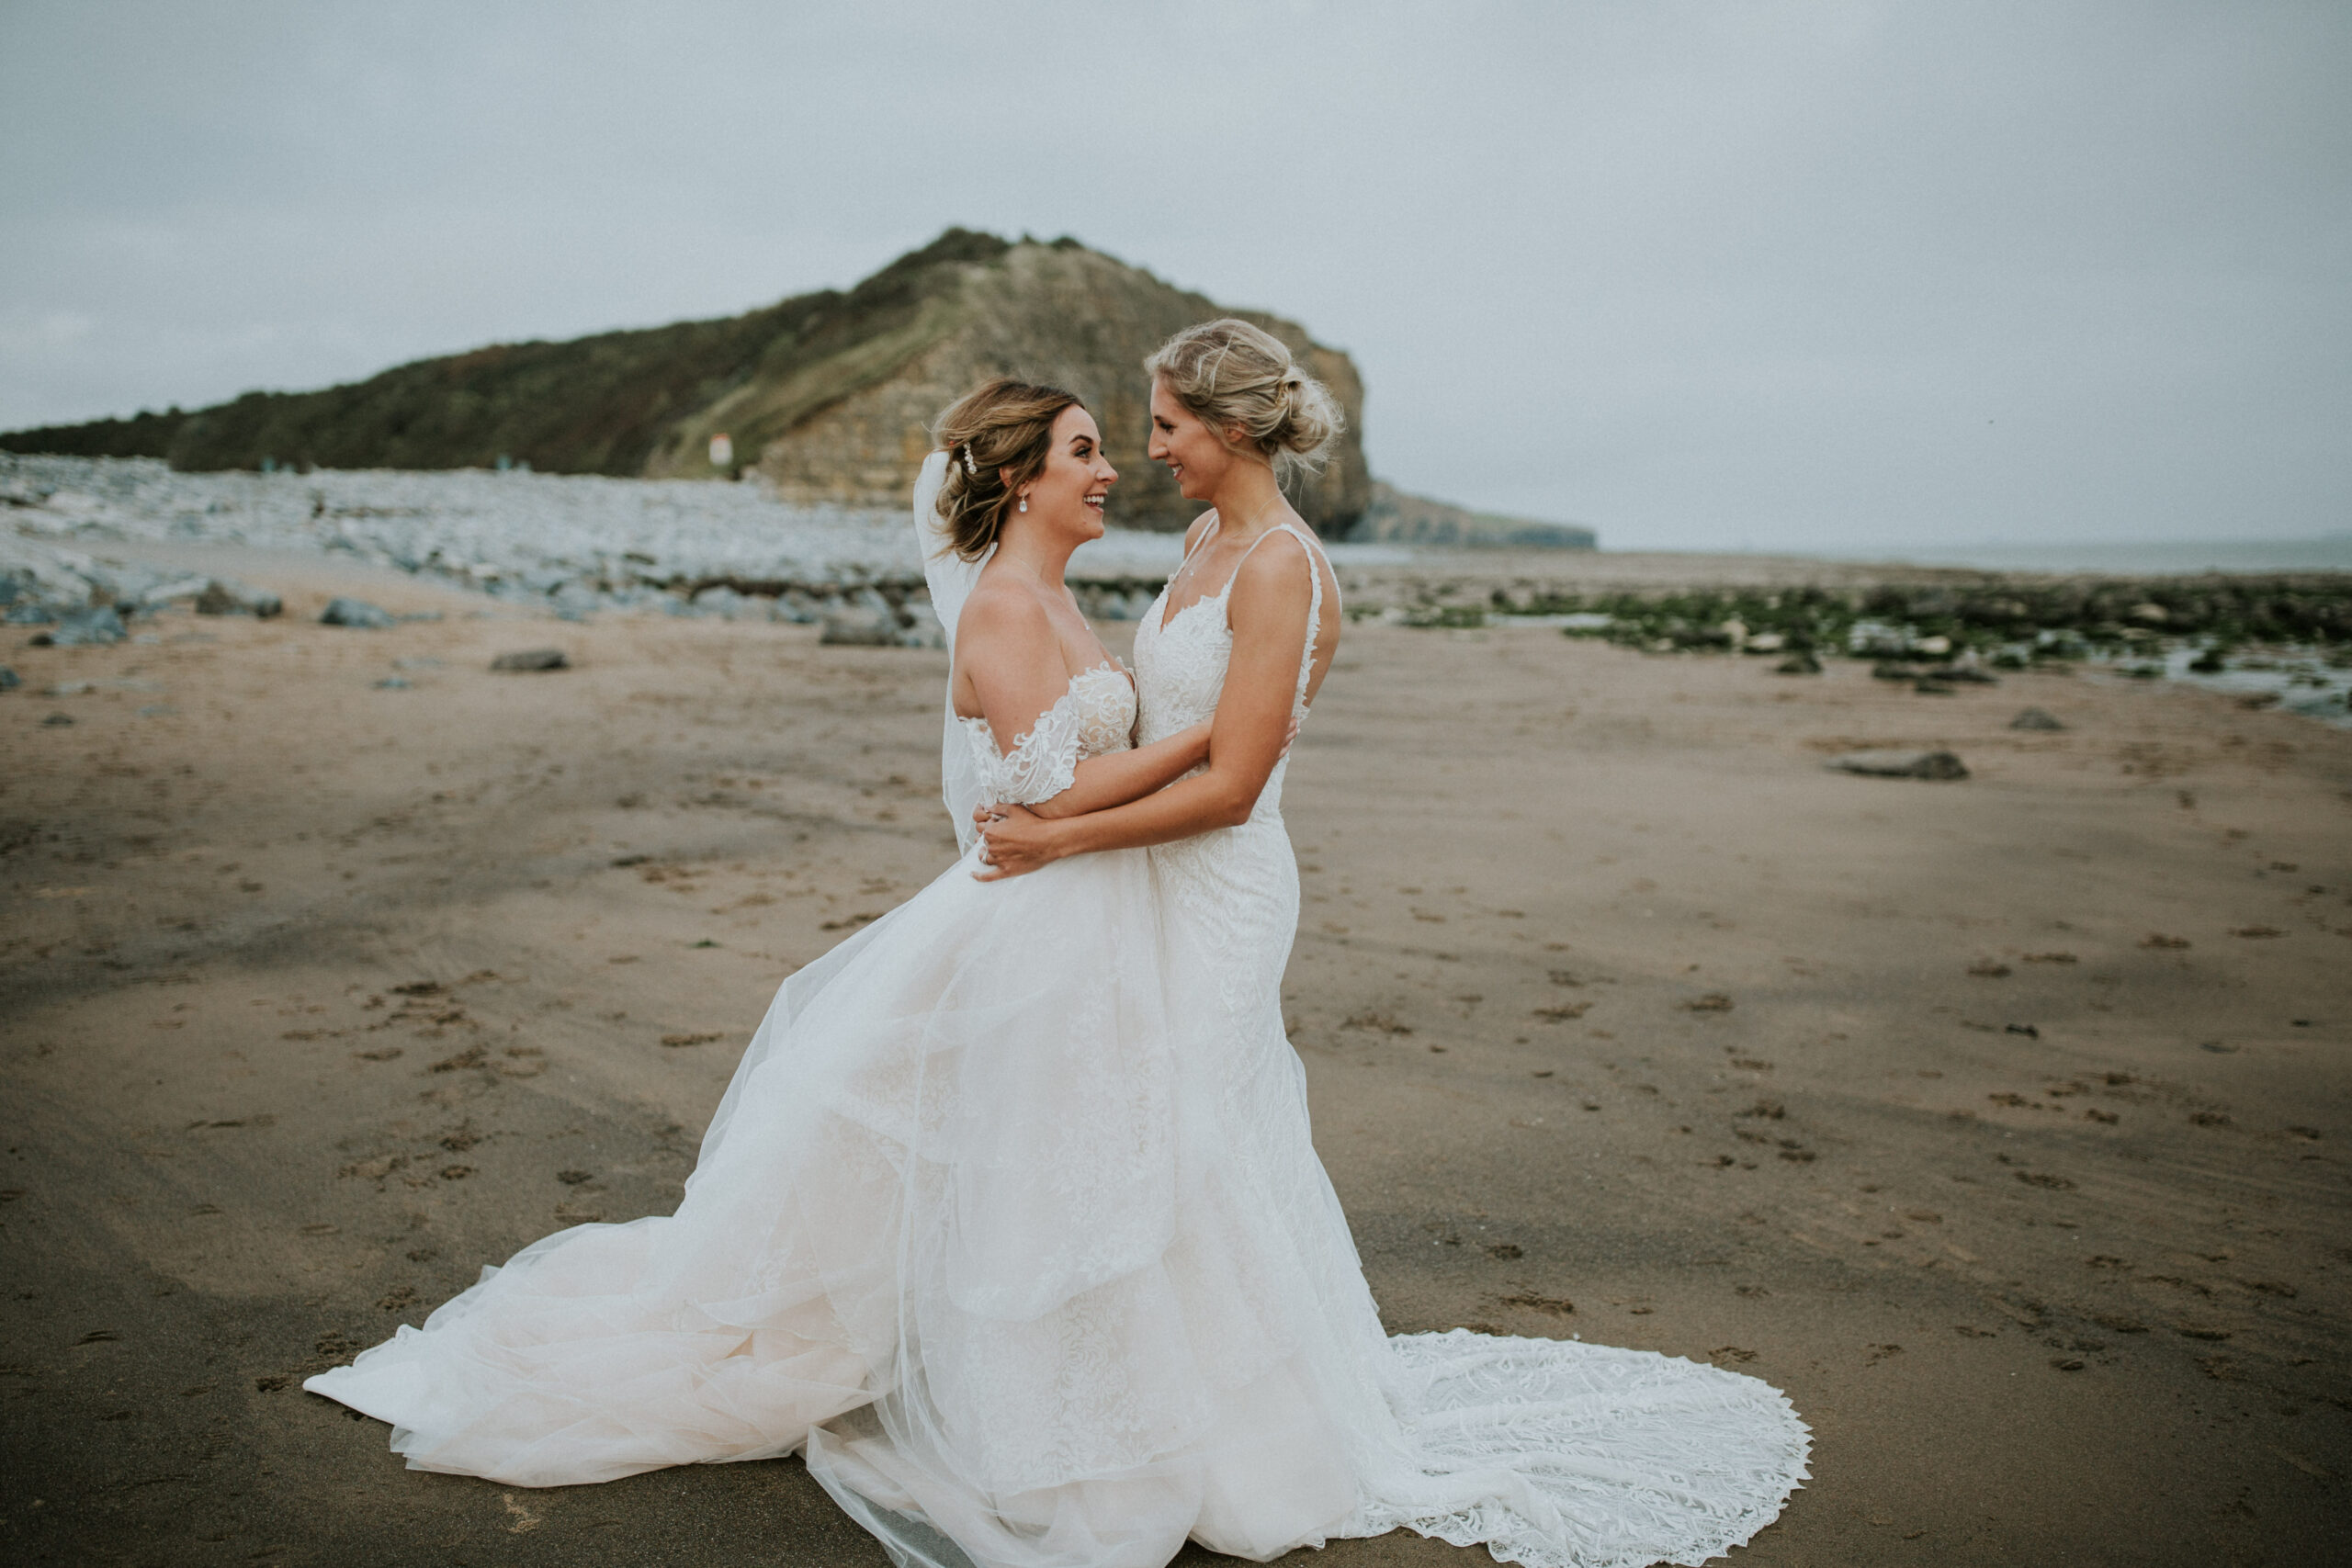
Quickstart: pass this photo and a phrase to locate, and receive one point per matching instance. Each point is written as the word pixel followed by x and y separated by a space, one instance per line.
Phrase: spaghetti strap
pixel 1217 527
pixel 1316 562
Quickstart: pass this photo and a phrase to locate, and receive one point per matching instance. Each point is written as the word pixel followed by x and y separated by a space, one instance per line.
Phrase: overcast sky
pixel 1784 275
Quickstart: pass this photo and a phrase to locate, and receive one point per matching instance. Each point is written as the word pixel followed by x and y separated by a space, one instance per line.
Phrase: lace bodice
pixel 1096 715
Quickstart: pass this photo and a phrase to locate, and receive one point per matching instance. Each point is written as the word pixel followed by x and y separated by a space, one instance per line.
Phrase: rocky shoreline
pixel 579 547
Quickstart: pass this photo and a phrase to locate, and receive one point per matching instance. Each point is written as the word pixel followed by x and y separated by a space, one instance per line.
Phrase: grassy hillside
pixel 830 395
pixel 595 405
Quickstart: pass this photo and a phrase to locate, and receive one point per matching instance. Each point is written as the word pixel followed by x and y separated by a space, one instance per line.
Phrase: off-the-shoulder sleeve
pixel 1041 764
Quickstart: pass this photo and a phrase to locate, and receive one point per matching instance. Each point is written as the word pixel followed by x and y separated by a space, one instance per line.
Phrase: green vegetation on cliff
pixel 827 394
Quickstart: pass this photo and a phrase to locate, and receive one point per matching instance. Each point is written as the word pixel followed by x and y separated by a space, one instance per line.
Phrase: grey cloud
pixel 1786 274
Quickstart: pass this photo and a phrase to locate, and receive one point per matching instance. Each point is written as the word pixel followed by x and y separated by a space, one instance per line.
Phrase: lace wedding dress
pixel 1010 1221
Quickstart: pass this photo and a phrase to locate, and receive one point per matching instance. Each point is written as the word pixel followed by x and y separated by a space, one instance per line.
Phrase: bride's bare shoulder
pixel 1199 530
pixel 1001 612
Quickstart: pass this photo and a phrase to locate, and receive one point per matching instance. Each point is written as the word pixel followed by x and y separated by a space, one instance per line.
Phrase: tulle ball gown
pixel 1010 1221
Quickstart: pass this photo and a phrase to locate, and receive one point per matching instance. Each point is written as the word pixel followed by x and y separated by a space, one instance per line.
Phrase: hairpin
pixel 971 470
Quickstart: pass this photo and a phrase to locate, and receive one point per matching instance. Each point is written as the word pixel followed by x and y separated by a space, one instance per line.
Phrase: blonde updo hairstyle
pixel 1240 380
pixel 998 437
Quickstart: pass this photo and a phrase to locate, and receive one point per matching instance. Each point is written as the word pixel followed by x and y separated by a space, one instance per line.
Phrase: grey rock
pixel 576 601
pixel 394 684
pixel 1934 686
pixel 28 614
pixel 1798 664
pixel 355 613
pixel 721 600
pixel 170 591
pixel 858 626
pixel 9 679
pixel 531 659
pixel 2035 718
pixel 924 630
pixel 92 628
pixel 56 719
pixel 222 597
pixel 1902 764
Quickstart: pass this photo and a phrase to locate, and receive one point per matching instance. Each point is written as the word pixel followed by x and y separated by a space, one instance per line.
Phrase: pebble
pixel 1902 764
pixel 222 597
pixel 355 613
pixel 531 658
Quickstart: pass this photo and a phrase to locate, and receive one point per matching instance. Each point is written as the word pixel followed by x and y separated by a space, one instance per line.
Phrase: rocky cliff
pixel 1391 516
pixel 827 395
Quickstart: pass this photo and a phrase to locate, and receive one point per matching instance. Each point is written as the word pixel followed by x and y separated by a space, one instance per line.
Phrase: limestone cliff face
pixel 1059 314
pixel 829 393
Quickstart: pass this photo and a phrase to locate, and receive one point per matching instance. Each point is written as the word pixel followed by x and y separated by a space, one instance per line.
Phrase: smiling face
pixel 1191 450
pixel 1068 495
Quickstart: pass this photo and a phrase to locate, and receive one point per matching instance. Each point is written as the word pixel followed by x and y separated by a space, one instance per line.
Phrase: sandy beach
pixel 2000 1122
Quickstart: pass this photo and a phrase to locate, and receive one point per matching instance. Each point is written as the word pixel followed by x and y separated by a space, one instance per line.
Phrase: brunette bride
pixel 1009 1219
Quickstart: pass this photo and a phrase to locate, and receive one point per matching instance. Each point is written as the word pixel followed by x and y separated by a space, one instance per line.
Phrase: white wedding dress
pixel 1010 1220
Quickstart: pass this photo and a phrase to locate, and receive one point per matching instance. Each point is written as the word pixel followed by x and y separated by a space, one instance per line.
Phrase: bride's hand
pixel 1015 840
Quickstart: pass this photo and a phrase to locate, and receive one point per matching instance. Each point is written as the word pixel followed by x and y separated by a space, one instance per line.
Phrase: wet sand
pixel 2002 1122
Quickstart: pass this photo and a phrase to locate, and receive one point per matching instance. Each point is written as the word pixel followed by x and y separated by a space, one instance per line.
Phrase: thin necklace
pixel 1189 570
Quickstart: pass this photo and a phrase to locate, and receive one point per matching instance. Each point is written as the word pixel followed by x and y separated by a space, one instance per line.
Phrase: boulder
pixel 574 601
pixel 222 597
pixel 2035 718
pixel 530 660
pixel 854 626
pixel 1902 764
pixel 91 627
pixel 924 630
pixel 355 613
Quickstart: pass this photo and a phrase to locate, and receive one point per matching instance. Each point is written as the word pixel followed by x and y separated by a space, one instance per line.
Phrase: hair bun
pixel 1234 375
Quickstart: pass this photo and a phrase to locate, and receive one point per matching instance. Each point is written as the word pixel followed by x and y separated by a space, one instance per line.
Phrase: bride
pixel 1009 1219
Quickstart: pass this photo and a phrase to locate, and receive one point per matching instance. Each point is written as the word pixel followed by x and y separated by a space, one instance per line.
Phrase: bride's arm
pixel 1119 777
pixel 1015 670
pixel 1268 607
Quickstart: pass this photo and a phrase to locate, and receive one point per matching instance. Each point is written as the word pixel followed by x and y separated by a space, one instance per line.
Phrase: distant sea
pixel 2331 552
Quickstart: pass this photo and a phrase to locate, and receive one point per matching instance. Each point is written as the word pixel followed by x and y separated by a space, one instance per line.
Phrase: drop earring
pixel 1024 502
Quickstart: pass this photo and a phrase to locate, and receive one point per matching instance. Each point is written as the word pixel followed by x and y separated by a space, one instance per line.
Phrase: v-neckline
pixel 1168 618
